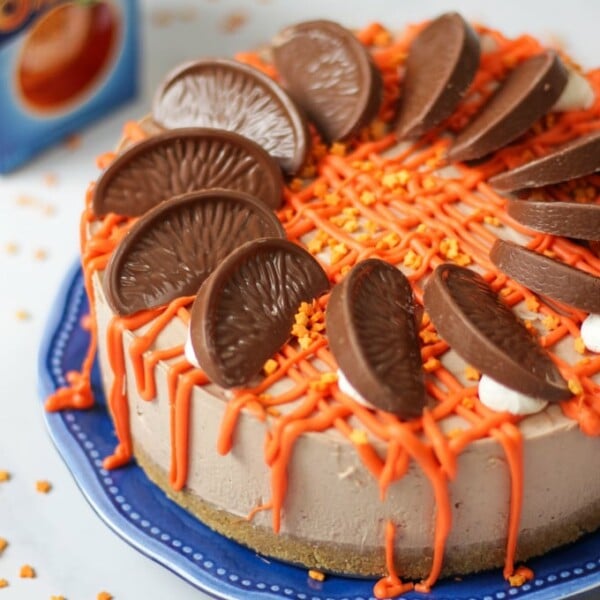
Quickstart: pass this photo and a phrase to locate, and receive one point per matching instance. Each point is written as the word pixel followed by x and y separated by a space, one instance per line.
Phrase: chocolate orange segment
pixel 245 310
pixel 441 64
pixel 579 157
pixel 372 332
pixel 330 75
pixel 186 160
pixel 488 335
pixel 547 276
pixel 174 247
pixel 225 94
pixel 526 94
pixel 570 219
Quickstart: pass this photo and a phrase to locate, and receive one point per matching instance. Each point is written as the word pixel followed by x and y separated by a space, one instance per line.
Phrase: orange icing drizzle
pixel 407 215
pixel 391 585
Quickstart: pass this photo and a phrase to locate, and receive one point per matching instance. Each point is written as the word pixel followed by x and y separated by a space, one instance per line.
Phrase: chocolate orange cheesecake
pixel 324 325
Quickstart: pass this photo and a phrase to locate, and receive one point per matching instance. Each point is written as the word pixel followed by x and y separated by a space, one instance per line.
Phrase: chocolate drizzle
pixel 570 219
pixel 244 312
pixel 174 247
pixel 441 64
pixel 547 276
pixel 330 74
pixel 373 334
pixel 225 94
pixel 524 96
pixel 186 160
pixel 579 157
pixel 488 335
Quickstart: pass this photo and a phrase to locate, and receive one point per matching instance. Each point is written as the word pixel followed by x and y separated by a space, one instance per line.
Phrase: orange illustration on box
pixel 64 53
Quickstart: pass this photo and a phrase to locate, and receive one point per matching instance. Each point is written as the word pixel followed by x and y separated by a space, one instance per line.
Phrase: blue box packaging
pixel 62 64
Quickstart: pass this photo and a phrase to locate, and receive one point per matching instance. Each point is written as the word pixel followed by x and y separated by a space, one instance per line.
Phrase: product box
pixel 62 64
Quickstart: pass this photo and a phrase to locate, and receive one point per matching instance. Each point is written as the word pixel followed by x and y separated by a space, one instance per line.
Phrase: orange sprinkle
pixel 50 179
pixel 429 337
pixel 468 402
pixel 73 141
pixel 455 433
pixel 575 387
pixel 532 304
pixel 338 149
pixel 22 315
pixel 412 260
pixel 338 251
pixel 11 248
pixel 3 545
pixel 104 160
pixel 472 374
pixel 324 381
pixel 359 437
pixel 382 38
pixel 40 254
pixel 23 200
pixel 4 476
pixel 49 210
pixel 492 220
pixel 162 18
pixel 104 596
pixel 431 364
pixel 316 575
pixel 27 572
pixel 315 245
pixel 270 366
pixel 57 598
pixel 234 21
pixel 449 247
pixel 521 576
pixel 579 345
pixel 296 184
pixel 133 131
pixel 368 198
pixel 3 583
pixel 551 322
pixel 43 486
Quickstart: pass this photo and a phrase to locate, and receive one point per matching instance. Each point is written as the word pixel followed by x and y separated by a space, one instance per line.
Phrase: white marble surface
pixel 73 552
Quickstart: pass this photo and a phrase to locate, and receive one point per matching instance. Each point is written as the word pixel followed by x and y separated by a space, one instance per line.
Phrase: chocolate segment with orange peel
pixel 244 312
pixel 226 94
pixel 576 158
pixel 330 75
pixel 373 334
pixel 441 64
pixel 486 333
pixel 570 219
pixel 174 247
pixel 547 276
pixel 527 93
pixel 186 160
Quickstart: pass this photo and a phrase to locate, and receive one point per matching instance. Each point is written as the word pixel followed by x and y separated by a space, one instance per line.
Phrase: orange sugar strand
pixel 390 585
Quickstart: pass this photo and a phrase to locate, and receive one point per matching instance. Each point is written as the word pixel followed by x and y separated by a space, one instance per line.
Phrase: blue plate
pixel 140 513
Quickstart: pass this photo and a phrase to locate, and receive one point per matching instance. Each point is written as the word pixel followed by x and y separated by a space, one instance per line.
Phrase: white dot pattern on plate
pixel 55 359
